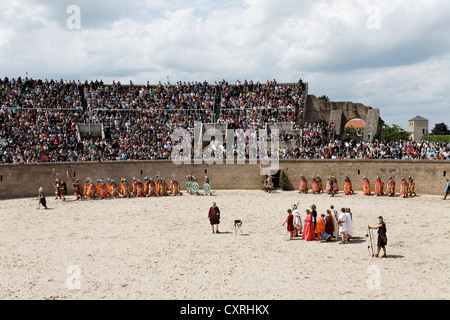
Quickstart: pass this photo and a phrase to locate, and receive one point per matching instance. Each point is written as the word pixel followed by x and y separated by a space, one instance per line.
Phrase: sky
pixel 391 55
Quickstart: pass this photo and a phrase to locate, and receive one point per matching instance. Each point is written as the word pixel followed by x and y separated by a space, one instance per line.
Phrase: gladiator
pixel 404 188
pixel 348 188
pixel 379 186
pixel 366 186
pixel 411 187
pixel 303 187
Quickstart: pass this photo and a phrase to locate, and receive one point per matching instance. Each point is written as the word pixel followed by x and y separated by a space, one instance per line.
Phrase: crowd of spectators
pixel 251 106
pixel 401 150
pixel 38 121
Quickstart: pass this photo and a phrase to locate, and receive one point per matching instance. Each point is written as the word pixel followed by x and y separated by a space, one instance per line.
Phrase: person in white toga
pixel 297 220
pixel 342 221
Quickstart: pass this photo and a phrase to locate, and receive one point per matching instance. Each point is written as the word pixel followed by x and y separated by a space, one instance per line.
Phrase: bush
pixel 436 138
pixel 324 98
pixel 350 130
pixel 394 133
pixel 440 129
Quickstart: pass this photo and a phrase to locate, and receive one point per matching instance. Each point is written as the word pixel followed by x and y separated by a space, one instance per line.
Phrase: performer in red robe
pixel 214 217
pixel 308 229
pixel 290 224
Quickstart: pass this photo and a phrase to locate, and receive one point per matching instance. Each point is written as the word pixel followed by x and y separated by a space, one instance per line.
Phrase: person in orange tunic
pixel 303 188
pixel 390 188
pixel 315 186
pixel 308 229
pixel 319 181
pixel 366 186
pixel 114 189
pixel 411 187
pixel 379 187
pixel 329 185
pixel 348 188
pixel 404 188
pixel 335 186
pixel 320 229
pixel 146 186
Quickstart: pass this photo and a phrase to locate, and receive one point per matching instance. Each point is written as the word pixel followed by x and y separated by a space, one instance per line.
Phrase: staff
pixel 382 238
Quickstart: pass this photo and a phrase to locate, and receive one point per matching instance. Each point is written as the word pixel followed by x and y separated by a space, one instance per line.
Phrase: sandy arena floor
pixel 163 248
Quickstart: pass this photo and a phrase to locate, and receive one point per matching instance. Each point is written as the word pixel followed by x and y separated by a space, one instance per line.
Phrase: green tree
pixel 325 98
pixel 394 133
pixel 350 130
pixel 440 129
pixel 284 181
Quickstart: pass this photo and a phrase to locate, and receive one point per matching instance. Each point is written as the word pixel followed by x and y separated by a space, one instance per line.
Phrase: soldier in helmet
pixel 390 189
pixel 303 188
pixel 56 187
pixel 207 186
pixel 404 188
pixel 411 187
pixel 366 186
pixel 194 186
pixel 379 187
pixel 348 188
pixel 319 181
pixel 76 187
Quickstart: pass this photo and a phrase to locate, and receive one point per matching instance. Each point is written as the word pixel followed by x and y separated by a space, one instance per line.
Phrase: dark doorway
pixel 276 180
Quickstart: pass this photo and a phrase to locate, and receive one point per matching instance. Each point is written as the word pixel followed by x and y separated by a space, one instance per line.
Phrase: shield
pixel 194 186
pixel 207 188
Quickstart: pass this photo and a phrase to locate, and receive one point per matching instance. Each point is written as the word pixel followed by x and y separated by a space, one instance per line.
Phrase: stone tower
pixel 418 127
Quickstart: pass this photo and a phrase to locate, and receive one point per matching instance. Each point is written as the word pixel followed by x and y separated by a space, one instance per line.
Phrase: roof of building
pixel 357 124
pixel 418 118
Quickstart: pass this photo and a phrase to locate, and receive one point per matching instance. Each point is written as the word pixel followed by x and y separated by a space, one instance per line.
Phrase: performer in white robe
pixel 297 220
pixel 342 220
pixel 349 223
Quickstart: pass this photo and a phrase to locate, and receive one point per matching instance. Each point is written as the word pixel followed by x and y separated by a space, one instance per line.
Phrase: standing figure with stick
pixel 382 238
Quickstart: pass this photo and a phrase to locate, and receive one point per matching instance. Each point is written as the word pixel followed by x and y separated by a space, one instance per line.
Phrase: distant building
pixel 418 127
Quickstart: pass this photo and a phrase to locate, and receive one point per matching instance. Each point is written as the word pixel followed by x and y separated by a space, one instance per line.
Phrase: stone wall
pixel 25 180
pixel 340 113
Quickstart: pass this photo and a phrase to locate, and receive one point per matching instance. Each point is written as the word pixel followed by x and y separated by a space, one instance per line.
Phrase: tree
pixel 284 181
pixel 394 133
pixel 325 98
pixel 440 129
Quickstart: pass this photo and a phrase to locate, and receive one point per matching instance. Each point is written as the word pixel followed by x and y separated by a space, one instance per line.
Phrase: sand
pixel 163 248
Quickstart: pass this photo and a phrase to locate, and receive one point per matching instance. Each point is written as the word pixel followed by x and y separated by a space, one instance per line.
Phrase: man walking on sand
pixel 447 189
pixel 214 217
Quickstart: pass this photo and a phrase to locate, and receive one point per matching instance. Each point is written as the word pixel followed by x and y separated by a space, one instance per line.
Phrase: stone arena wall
pixel 24 180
